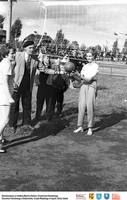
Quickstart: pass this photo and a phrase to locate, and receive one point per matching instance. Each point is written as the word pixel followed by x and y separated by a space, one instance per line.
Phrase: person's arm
pixel 46 70
pixel 76 76
pixel 7 73
pixel 16 68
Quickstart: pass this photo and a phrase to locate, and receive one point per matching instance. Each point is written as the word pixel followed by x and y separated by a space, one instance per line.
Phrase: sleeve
pixel 95 70
pixel 94 73
pixel 82 73
pixel 7 67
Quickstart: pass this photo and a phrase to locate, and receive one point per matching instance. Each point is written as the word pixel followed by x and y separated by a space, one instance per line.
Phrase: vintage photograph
pixel 63 95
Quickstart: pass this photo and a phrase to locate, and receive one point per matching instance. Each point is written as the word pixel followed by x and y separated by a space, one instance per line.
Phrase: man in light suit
pixel 25 70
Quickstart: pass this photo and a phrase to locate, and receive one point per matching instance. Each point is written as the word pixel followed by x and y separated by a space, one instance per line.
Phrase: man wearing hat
pixel 25 70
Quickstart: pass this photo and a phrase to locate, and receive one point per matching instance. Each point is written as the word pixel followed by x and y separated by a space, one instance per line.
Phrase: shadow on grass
pixel 108 120
pixel 45 129
pixel 100 87
pixel 70 111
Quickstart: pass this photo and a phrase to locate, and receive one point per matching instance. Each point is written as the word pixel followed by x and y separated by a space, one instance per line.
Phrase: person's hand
pixel 85 81
pixel 71 74
pixel 37 72
pixel 40 57
pixel 57 62
pixel 11 100
pixel 15 86
pixel 62 72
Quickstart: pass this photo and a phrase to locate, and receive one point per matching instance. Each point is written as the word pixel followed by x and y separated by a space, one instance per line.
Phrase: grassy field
pixel 52 158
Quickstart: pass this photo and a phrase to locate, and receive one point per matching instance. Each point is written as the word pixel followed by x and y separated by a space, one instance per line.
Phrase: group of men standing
pixel 25 70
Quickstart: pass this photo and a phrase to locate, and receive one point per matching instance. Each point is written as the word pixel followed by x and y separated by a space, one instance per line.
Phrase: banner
pixel 63 195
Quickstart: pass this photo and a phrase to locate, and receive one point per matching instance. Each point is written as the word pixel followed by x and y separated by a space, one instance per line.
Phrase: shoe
pixel 2 151
pixel 1 148
pixel 78 130
pixel 89 132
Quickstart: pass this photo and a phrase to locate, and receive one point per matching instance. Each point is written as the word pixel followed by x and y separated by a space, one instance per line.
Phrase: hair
pixel 5 50
pixel 89 51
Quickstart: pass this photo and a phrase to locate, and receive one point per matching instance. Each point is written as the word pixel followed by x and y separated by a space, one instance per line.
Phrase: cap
pixel 28 43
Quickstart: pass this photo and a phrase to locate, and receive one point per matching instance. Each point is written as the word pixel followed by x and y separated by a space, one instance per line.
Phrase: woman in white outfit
pixel 5 96
pixel 87 94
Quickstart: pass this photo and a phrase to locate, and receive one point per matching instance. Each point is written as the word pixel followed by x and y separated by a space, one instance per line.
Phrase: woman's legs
pixel 86 100
pixel 82 104
pixel 90 108
pixel 81 108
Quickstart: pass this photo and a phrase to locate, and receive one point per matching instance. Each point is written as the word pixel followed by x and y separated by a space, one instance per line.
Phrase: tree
pixel 2 18
pixel 74 45
pixel 59 39
pixel 98 48
pixel 66 44
pixel 124 50
pixel 115 49
pixel 83 47
pixel 16 30
pixel 97 51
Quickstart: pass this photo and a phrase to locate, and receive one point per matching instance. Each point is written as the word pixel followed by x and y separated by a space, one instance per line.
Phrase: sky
pixel 90 24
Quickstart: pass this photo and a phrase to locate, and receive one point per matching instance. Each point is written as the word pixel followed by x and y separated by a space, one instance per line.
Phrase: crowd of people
pixel 19 71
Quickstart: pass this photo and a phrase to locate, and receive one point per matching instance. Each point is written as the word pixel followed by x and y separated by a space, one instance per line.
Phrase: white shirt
pixel 26 56
pixel 5 70
pixel 89 71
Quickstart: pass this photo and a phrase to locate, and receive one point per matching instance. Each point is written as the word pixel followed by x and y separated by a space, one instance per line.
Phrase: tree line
pixel 60 44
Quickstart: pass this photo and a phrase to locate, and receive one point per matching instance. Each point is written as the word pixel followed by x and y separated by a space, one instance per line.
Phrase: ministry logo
pixel 98 196
pixel 106 196
pixel 91 196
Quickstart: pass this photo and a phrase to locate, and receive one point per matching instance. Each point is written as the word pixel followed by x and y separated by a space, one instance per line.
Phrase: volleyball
pixel 89 72
pixel 69 67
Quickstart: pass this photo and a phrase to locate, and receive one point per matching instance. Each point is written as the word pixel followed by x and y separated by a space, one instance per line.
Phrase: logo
pixel 80 197
pixel 106 196
pixel 91 196
pixel 98 196
pixel 115 196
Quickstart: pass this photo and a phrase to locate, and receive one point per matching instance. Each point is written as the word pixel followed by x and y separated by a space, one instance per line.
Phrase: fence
pixel 113 69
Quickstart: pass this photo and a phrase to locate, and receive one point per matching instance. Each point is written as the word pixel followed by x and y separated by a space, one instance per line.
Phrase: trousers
pixel 25 95
pixel 86 103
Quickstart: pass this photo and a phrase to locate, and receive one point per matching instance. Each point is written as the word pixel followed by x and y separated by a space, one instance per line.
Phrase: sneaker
pixel 2 151
pixel 1 148
pixel 89 132
pixel 78 130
